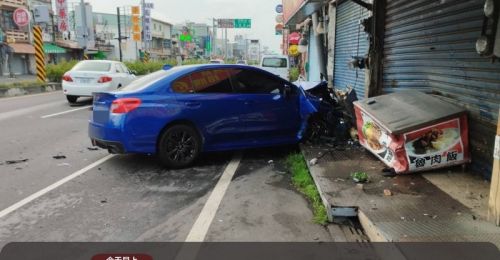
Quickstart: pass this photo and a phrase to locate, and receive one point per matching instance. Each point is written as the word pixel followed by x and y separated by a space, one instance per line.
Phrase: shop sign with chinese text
pixel 62 15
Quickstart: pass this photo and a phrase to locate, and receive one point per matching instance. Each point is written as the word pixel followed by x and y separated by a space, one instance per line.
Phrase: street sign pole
pixel 84 28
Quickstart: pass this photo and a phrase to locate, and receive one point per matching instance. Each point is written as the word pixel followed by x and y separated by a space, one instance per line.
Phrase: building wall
pixel 430 46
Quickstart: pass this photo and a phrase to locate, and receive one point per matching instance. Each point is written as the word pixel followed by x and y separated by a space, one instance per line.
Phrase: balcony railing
pixel 17 36
pixel 13 3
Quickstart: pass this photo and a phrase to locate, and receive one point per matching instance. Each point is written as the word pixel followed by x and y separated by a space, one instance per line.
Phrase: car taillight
pixel 105 79
pixel 67 78
pixel 125 105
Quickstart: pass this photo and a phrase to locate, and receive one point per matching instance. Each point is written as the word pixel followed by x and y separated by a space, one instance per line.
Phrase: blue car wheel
pixel 179 146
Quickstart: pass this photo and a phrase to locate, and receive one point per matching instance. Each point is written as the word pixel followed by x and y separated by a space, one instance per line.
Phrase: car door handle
pixel 193 104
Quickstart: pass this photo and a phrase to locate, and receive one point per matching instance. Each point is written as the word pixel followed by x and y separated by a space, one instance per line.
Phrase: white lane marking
pixel 42 192
pixel 200 227
pixel 28 110
pixel 65 112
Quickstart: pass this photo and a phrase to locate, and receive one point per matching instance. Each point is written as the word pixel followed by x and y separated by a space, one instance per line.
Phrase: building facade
pixel 16 51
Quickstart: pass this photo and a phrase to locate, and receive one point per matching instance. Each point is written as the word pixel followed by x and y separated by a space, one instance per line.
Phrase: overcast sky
pixel 262 13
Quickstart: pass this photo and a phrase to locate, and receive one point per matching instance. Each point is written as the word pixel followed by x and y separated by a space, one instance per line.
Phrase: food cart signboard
pixel 377 140
pixel 435 146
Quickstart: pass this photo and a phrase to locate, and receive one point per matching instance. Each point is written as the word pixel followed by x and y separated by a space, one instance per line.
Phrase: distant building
pixel 16 51
pixel 106 31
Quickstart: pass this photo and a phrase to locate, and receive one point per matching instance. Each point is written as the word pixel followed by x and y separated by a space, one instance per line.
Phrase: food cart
pixel 412 131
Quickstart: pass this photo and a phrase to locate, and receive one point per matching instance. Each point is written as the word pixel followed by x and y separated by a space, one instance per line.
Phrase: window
pixel 275 62
pixel 208 81
pixel 92 66
pixel 7 21
pixel 119 68
pixel 148 80
pixel 252 82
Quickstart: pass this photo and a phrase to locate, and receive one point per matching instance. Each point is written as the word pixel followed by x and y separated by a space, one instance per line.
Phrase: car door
pixel 211 104
pixel 270 117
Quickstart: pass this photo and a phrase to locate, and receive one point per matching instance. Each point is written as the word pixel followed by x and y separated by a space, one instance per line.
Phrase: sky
pixel 262 13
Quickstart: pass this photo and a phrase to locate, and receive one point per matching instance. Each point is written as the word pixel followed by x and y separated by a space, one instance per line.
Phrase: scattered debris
pixel 474 217
pixel 374 208
pixel 270 162
pixel 99 169
pixel 360 186
pixel 64 164
pixel 16 161
pixel 425 214
pixel 360 177
pixel 316 238
pixel 313 161
pixel 412 183
pixel 387 192
pixel 388 172
pixel 434 217
pixel 59 157
pixel 104 201
pixel 402 218
pixel 92 148
pixel 19 168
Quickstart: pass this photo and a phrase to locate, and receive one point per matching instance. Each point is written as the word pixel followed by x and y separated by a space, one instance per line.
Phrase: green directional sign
pixel 242 23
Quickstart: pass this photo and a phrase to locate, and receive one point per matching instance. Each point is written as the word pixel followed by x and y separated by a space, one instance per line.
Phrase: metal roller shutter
pixel 350 40
pixel 430 46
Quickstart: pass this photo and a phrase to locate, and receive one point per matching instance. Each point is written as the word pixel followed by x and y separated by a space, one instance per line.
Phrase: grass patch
pixel 303 181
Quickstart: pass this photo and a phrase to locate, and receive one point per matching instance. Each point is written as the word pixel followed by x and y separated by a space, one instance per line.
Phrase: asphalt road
pixel 91 196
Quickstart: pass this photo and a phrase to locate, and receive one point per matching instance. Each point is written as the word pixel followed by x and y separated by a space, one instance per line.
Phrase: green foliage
pixel 141 68
pixel 22 84
pixel 360 177
pixel 56 71
pixel 194 61
pixel 294 74
pixel 303 181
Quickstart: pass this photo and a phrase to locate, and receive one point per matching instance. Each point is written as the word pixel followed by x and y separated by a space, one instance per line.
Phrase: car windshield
pixel 275 62
pixel 93 66
pixel 149 79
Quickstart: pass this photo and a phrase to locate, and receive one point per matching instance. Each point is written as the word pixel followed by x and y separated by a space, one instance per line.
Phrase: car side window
pixel 255 82
pixel 211 81
pixel 118 68
pixel 183 85
pixel 124 68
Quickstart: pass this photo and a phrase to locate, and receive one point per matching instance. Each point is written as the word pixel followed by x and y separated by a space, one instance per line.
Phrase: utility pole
pixel 214 39
pixel 119 34
pixel 84 25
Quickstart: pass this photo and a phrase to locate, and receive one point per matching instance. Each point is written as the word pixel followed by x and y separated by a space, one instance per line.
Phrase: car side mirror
pixel 133 72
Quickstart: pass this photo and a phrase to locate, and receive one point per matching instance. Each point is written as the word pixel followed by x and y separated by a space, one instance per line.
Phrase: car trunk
pixel 87 77
pixel 101 107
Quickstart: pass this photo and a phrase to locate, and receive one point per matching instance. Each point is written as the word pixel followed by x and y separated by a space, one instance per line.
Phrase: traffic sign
pixel 279 8
pixel 21 17
pixel 242 23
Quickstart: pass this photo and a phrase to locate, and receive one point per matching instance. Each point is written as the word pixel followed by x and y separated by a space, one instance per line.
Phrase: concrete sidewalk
pixel 417 210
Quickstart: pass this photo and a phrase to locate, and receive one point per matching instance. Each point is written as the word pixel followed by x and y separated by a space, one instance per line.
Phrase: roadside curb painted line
pixel 207 214
pixel 51 187
pixel 64 112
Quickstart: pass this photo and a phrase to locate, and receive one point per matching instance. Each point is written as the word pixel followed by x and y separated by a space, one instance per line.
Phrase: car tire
pixel 179 146
pixel 71 99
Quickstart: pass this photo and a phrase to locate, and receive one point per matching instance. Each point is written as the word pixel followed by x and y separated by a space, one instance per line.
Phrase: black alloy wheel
pixel 179 146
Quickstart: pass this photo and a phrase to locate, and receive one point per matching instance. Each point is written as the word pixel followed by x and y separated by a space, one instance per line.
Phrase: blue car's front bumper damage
pixel 309 104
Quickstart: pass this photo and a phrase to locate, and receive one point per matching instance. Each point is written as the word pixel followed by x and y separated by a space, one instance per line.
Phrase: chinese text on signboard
pixel 62 14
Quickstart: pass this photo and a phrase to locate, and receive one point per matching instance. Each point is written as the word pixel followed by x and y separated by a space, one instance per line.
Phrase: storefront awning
pixel 52 49
pixel 24 48
pixel 304 9
pixel 68 44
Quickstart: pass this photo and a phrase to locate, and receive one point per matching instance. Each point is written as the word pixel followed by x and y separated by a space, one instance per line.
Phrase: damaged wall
pixel 430 46
pixel 350 41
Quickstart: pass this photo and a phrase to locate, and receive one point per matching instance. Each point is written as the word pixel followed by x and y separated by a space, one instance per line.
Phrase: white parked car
pixel 216 61
pixel 276 64
pixel 91 76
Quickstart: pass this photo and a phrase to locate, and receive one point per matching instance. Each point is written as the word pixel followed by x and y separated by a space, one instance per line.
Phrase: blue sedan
pixel 181 112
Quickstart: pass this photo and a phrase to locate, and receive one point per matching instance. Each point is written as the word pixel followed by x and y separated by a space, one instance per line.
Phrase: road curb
pixel 35 89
